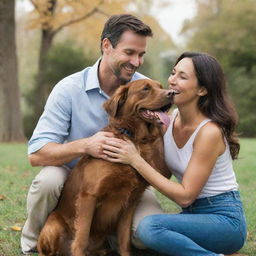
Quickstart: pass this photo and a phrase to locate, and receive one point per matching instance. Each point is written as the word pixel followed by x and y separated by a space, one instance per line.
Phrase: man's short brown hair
pixel 116 25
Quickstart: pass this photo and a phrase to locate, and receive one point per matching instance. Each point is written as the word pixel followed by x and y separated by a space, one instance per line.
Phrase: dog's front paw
pixel 76 251
pixel 125 253
pixel 103 252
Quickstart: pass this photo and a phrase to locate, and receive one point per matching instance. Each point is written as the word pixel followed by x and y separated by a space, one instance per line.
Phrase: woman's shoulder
pixel 210 131
pixel 210 136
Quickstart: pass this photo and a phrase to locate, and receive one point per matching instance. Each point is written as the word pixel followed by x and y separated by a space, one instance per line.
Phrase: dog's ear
pixel 113 105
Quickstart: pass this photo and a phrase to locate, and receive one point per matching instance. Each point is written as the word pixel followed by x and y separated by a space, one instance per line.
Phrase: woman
pixel 200 144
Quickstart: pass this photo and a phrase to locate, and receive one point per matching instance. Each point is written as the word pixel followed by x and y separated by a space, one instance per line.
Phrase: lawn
pixel 16 175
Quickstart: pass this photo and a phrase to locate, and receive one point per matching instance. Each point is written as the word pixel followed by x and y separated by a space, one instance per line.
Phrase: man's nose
pixel 136 61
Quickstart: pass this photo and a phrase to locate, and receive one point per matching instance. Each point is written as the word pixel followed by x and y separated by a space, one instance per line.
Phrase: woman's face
pixel 184 83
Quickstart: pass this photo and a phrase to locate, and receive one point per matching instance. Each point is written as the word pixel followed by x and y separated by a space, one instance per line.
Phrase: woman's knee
pixel 147 229
pixel 50 179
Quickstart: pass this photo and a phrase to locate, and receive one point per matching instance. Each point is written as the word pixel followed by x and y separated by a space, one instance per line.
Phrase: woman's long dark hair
pixel 216 104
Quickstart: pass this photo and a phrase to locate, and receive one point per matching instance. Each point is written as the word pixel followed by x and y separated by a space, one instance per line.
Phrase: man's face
pixel 127 56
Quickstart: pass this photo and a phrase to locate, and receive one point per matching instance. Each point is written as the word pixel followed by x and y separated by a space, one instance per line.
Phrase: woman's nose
pixel 171 80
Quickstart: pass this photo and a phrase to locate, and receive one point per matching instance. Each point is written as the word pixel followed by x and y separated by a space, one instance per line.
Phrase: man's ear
pixel 106 45
pixel 202 91
pixel 113 105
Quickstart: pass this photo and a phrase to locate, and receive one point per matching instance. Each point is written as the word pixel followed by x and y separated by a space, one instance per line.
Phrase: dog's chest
pixel 123 182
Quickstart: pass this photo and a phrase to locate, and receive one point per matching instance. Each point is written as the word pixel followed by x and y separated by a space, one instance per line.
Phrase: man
pixel 73 117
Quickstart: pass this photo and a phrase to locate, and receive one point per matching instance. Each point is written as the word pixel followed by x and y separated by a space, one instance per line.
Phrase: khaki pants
pixel 43 197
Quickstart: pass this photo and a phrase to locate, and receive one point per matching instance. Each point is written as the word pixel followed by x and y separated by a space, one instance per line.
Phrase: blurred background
pixel 42 41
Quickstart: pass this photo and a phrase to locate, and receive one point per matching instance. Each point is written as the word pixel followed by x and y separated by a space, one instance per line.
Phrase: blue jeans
pixel 210 226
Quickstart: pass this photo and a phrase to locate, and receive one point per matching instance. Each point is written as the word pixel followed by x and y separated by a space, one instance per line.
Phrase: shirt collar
pixel 92 80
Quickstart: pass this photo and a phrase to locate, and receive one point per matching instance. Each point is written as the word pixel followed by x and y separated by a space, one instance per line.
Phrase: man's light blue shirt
pixel 73 110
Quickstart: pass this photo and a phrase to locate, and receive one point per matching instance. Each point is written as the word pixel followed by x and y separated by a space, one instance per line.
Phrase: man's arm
pixel 55 154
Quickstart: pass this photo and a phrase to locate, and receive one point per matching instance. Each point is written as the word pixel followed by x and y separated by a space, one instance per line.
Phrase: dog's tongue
pixel 163 117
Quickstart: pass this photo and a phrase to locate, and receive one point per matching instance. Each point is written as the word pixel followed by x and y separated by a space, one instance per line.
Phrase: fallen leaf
pixel 16 228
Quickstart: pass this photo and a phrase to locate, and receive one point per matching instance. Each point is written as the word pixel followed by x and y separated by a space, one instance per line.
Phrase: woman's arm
pixel 208 145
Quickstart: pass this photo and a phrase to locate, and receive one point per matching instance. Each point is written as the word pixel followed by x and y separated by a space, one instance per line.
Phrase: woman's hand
pixel 120 151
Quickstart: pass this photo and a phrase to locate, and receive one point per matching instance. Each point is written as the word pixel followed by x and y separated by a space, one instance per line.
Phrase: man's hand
pixel 93 144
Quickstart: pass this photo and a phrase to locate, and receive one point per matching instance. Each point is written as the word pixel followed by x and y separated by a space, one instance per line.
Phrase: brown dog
pixel 99 197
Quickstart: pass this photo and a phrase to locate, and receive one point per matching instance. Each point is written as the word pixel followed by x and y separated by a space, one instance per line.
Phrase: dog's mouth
pixel 158 116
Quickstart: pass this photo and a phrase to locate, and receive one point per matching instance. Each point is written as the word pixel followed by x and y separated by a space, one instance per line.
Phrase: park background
pixel 42 41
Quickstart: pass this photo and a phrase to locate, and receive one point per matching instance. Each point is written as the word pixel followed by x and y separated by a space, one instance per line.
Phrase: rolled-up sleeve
pixel 54 124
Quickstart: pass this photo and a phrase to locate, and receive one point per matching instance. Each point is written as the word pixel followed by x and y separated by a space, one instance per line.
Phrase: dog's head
pixel 144 99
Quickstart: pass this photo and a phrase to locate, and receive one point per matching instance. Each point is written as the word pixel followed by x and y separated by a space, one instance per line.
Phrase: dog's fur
pixel 99 197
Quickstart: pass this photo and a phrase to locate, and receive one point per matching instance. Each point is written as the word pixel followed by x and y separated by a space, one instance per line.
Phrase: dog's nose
pixel 169 94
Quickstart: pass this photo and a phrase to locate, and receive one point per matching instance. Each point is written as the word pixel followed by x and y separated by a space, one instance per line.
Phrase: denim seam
pixel 191 208
pixel 242 218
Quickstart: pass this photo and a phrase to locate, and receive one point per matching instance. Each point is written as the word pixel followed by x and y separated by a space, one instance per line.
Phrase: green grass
pixel 16 176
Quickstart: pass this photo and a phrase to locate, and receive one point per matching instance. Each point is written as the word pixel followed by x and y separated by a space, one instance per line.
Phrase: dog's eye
pixel 146 88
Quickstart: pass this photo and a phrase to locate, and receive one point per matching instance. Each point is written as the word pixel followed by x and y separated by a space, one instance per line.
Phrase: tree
pixel 10 115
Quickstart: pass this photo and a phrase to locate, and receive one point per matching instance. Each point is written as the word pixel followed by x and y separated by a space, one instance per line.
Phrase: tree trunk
pixel 41 89
pixel 10 114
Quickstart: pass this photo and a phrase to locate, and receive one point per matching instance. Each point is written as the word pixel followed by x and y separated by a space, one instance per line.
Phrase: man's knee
pixel 50 179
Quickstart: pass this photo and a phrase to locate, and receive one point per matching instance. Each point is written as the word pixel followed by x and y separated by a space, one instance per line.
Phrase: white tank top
pixel 222 178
